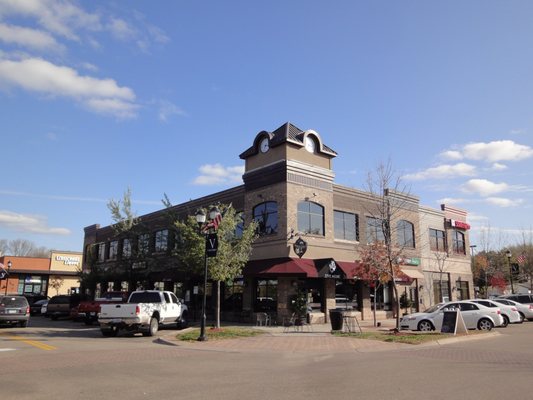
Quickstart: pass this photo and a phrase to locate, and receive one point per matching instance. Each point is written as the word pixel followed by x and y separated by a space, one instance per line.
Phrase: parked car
pixel 475 316
pixel 61 305
pixel 510 314
pixel 36 306
pixel 525 310
pixel 14 310
pixel 522 298
pixel 88 311
pixel 44 309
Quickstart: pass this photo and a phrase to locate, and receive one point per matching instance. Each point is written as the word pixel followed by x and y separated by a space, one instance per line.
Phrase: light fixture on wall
pixel 290 235
pixel 421 287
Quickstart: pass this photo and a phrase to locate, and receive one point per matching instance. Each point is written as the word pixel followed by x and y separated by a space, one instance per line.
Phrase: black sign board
pixel 211 245
pixel 300 247
pixel 449 321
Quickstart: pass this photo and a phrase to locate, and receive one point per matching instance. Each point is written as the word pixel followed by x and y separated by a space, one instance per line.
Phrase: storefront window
pixel 32 284
pixel 445 294
pixel 462 290
pixel 266 295
pixel 233 296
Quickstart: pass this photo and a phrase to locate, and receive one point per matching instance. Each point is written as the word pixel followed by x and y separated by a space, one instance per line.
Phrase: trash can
pixel 336 319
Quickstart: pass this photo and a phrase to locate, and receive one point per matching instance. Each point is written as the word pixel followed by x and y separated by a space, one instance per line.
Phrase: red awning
pixel 348 268
pixel 282 266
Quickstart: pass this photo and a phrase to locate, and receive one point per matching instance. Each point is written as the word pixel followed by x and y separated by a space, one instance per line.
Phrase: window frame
pixel 265 225
pixel 342 216
pixel 404 227
pixel 438 238
pixel 459 242
pixel 374 230
pixel 311 218
pixel 161 241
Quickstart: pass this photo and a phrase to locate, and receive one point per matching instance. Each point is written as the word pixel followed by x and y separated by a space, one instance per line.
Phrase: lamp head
pixel 9 264
pixel 200 216
pixel 508 254
pixel 213 212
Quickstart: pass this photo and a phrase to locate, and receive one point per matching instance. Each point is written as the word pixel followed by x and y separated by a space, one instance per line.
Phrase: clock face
pixel 309 144
pixel 264 146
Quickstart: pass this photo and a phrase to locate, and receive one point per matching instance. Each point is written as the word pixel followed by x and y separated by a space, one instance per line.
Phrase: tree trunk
pixel 375 305
pixel 397 302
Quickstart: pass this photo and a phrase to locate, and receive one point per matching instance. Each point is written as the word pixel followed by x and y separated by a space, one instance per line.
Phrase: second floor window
pixel 406 234
pixel 458 242
pixel 144 244
pixel 437 240
pixel 161 241
pixel 126 248
pixel 101 252
pixel 374 230
pixel 266 215
pixel 310 218
pixel 113 250
pixel 346 226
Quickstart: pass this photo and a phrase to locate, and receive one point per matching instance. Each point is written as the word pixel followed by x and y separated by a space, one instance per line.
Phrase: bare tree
pixel 56 282
pixel 440 258
pixel 391 203
pixel 22 248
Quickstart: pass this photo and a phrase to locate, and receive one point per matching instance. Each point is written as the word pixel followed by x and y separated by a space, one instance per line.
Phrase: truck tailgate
pixel 117 311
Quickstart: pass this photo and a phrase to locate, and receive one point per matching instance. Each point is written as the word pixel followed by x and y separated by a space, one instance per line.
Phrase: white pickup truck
pixel 144 312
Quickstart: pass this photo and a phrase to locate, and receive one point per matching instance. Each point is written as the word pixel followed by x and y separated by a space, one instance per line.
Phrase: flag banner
pixel 521 259
pixel 3 272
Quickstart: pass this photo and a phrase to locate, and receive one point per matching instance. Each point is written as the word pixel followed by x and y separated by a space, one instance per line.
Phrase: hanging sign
pixel 211 245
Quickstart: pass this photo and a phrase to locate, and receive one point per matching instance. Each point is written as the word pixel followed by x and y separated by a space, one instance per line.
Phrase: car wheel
pixel 505 321
pixel 425 326
pixel 154 327
pixel 485 324
pixel 522 317
pixel 183 321
pixel 110 332
pixel 53 317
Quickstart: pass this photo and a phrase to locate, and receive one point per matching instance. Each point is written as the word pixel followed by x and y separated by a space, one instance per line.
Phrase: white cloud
pixel 503 202
pixel 29 223
pixel 443 171
pixel 60 17
pixel 517 131
pixel 217 174
pixel 498 167
pixel 120 29
pixel 499 150
pixel 451 155
pixel 37 75
pixel 27 37
pixel 452 200
pixel 484 187
pixel 167 109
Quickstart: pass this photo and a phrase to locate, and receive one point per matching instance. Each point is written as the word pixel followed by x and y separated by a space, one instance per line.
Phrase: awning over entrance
pixel 282 266
pixel 413 273
pixel 302 267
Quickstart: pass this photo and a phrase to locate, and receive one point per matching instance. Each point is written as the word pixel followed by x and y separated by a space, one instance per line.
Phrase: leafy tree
pixel 232 255
pixel 374 268
pixel 121 212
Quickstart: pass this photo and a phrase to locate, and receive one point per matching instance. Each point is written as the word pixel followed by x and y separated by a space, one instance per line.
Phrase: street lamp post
pixel 204 227
pixel 509 255
pixel 472 264
pixel 7 277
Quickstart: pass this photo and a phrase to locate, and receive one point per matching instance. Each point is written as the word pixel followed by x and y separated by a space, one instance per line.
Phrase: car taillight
pixel 514 309
pixel 531 306
pixel 28 310
pixel 499 312
pixel 137 310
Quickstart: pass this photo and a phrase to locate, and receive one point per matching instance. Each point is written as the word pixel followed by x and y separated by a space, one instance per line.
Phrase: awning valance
pixel 413 273
pixel 302 267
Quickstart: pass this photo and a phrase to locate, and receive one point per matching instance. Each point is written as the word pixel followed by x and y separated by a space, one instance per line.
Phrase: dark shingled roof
pixel 285 133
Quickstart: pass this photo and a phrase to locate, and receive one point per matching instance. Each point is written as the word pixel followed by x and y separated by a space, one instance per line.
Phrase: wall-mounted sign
pixel 69 260
pixel 300 247
pixel 329 269
pixel 459 224
pixel 409 261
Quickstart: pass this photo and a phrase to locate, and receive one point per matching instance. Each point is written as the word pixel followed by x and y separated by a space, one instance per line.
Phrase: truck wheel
pixel 88 320
pixel 183 321
pixel 154 327
pixel 110 332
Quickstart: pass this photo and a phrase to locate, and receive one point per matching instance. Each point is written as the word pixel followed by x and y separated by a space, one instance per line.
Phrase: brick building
pixel 289 189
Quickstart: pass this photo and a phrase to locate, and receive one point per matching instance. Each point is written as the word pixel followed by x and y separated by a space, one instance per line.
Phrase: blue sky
pixel 162 97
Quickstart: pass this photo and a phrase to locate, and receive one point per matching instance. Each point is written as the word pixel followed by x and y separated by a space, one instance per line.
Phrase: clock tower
pixel 283 168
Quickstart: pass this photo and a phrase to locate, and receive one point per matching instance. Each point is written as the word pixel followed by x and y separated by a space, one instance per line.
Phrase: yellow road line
pixel 35 343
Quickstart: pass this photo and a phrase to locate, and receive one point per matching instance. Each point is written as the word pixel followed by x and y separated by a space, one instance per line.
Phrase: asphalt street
pixel 67 360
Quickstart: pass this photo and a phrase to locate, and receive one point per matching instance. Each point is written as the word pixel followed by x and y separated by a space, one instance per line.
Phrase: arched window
pixel 310 218
pixel 458 242
pixel 266 215
pixel 406 234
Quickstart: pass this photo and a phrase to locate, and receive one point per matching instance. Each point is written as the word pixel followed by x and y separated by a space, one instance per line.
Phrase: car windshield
pixel 13 302
pixel 433 308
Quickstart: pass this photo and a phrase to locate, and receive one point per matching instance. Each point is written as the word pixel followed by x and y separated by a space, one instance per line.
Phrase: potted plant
pixel 299 307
